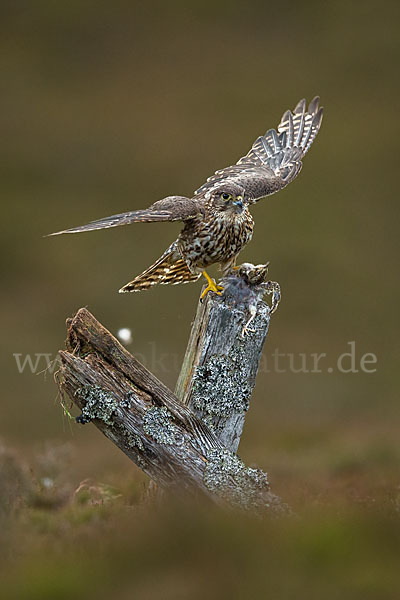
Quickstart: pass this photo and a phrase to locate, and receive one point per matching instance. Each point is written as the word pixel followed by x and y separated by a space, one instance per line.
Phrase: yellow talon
pixel 212 286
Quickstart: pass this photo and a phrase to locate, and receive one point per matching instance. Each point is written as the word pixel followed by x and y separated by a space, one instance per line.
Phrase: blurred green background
pixel 109 106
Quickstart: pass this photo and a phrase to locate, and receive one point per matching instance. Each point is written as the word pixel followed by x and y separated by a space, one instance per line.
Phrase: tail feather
pixel 168 269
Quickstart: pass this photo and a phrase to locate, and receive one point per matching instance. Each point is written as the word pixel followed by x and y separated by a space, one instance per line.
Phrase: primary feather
pixel 274 159
pixel 217 222
pixel 172 208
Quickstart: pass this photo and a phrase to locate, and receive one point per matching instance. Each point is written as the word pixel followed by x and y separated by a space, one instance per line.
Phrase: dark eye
pixel 226 196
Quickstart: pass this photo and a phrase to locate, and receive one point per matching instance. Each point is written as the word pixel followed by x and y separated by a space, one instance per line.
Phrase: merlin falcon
pixel 217 222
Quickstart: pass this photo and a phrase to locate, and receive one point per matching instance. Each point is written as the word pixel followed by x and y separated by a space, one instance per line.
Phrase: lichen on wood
pixel 221 362
pixel 146 421
pixel 227 476
pixel 97 404
pixel 158 424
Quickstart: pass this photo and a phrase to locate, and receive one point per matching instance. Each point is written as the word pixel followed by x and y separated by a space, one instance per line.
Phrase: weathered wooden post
pixel 189 444
pixel 225 346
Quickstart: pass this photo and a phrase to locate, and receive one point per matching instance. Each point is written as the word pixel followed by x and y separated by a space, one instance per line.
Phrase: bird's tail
pixel 168 269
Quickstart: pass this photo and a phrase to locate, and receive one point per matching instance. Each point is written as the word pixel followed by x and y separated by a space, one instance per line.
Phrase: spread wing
pixel 173 208
pixel 275 158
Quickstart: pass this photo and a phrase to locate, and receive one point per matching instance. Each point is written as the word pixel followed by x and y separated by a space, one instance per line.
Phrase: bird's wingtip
pixel 55 233
pixel 74 230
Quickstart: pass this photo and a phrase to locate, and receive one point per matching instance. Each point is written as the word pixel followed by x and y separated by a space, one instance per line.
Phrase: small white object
pixel 47 482
pixel 125 335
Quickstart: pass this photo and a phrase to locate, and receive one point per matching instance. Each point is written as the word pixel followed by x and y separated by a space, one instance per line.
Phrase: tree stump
pixel 183 445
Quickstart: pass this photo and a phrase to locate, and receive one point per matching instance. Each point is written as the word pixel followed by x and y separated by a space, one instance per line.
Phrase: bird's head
pixel 229 197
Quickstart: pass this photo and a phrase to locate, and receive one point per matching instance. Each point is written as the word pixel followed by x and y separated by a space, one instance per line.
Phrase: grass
pixel 108 109
pixel 66 538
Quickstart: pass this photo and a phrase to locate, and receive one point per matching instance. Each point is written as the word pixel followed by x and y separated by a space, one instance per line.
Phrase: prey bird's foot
pixel 246 329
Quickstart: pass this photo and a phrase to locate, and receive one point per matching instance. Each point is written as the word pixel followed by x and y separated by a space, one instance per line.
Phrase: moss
pixel 98 404
pixel 227 476
pixel 157 423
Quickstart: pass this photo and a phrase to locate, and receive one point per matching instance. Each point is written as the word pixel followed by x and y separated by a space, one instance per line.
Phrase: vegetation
pixel 108 107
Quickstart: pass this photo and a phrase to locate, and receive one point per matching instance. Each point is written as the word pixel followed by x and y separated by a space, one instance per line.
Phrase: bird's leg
pixel 246 329
pixel 212 286
pixel 272 287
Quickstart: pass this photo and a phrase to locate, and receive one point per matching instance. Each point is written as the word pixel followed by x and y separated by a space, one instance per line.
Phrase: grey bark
pixel 225 346
pixel 147 422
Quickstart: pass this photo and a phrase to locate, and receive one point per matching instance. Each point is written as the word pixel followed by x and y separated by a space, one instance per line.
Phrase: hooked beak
pixel 239 204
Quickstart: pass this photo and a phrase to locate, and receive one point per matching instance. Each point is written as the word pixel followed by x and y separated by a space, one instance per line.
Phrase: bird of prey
pixel 217 221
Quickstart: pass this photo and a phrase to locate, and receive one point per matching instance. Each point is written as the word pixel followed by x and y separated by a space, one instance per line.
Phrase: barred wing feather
pixel 275 158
